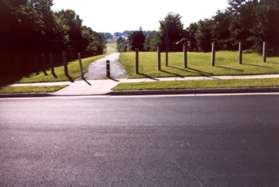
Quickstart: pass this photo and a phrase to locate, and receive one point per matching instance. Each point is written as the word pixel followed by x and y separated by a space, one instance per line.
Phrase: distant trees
pixel 122 44
pixel 248 21
pixel 30 29
pixel 152 41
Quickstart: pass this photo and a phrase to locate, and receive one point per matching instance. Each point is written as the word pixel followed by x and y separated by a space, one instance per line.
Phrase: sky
pixel 119 15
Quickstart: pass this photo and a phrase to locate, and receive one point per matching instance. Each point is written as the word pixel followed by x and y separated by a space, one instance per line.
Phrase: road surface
pixel 140 141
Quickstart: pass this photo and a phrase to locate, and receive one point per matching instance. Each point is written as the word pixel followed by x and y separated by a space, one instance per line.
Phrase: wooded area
pixel 250 22
pixel 33 37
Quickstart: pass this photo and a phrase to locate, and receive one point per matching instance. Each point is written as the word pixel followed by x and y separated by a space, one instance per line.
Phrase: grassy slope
pixel 30 89
pixel 202 84
pixel 74 71
pixel 199 64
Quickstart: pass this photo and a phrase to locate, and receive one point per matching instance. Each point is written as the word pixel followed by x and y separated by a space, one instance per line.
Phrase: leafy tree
pixel 204 35
pixel 136 40
pixel 171 29
pixel 122 44
pixel 152 41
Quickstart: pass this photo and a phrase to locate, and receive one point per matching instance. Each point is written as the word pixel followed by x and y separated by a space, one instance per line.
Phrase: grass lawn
pixel 199 84
pixel 30 89
pixel 199 64
pixel 74 71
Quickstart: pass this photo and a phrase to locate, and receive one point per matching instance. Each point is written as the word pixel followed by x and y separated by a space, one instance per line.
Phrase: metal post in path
pixel 159 58
pixel 240 59
pixel 264 52
pixel 108 68
pixel 137 61
pixel 213 54
pixel 185 52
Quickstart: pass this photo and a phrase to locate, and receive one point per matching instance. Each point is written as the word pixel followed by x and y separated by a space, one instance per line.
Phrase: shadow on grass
pixel 203 73
pixel 258 66
pixel 147 76
pixel 171 73
pixel 274 63
pixel 229 68
pixel 178 68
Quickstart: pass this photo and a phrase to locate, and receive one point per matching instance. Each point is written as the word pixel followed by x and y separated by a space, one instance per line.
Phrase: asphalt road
pixel 165 141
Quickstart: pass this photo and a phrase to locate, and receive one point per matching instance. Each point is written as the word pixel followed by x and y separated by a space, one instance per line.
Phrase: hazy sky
pixel 120 15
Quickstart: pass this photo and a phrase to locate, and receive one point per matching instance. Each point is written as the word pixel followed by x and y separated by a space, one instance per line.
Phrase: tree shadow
pixel 229 68
pixel 258 66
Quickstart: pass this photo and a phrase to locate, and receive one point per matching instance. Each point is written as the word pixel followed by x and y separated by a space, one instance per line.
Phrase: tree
pixel 204 35
pixel 30 29
pixel 122 44
pixel 192 30
pixel 171 31
pixel 136 40
pixel 152 41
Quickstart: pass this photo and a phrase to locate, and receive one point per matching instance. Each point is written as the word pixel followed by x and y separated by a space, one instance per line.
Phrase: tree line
pixel 31 32
pixel 248 21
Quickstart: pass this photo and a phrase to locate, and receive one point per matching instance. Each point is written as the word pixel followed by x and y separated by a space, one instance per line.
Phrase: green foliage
pixel 152 41
pixel 136 40
pixel 30 29
pixel 171 30
pixel 248 21
pixel 122 44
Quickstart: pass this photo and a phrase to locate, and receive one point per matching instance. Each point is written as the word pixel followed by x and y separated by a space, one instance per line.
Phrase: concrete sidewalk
pixel 104 86
pixel 91 87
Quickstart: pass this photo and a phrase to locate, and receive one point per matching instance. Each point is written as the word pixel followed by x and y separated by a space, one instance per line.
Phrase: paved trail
pixel 97 70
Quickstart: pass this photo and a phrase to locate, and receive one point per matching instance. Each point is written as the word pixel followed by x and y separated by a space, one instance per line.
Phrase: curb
pixel 154 92
pixel 194 91
pixel 22 95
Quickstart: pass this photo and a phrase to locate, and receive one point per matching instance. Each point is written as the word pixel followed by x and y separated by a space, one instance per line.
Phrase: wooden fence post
pixel 167 56
pixel 264 52
pixel 80 66
pixel 159 58
pixel 43 61
pixel 240 59
pixel 185 52
pixel 51 63
pixel 213 54
pixel 137 61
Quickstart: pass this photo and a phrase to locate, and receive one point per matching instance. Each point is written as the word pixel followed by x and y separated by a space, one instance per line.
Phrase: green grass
pixel 111 48
pixel 199 64
pixel 74 71
pixel 199 84
pixel 30 89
